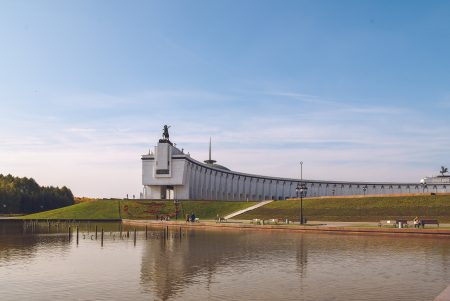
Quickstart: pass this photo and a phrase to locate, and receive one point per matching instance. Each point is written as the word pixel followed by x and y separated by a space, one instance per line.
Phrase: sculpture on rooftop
pixel 166 132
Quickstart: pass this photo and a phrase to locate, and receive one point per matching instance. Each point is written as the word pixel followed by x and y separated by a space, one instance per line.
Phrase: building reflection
pixel 173 267
pixel 170 266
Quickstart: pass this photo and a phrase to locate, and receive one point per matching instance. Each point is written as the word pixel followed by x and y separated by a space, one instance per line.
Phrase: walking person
pixel 416 222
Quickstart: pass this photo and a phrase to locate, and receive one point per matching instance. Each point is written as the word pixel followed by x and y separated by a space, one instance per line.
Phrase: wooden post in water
pixel 120 229
pixel 135 236
pixel 128 233
pixel 96 232
pixel 77 234
pixel 70 233
pixel 102 237
pixel 146 231
pixel 180 233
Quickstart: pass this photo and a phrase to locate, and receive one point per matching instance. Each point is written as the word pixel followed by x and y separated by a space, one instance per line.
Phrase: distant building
pixel 444 180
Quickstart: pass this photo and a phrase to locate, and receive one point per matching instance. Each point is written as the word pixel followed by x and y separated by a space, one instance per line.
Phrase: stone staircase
pixel 247 209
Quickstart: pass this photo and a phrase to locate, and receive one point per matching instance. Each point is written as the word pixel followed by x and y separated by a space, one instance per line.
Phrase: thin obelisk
pixel 209 148
pixel 210 161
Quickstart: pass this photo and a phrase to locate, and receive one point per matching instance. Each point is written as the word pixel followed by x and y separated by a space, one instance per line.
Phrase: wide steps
pixel 247 209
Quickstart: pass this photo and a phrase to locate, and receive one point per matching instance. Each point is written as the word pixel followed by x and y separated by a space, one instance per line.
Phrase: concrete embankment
pixel 294 228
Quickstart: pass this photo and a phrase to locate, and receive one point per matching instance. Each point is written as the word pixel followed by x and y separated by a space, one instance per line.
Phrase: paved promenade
pixel 311 227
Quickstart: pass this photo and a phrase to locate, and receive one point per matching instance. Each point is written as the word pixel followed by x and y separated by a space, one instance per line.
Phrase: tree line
pixel 24 195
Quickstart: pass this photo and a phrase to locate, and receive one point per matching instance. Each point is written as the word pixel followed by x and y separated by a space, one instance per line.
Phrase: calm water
pixel 225 265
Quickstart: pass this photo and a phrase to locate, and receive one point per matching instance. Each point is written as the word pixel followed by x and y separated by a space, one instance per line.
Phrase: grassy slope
pixel 136 209
pixel 102 209
pixel 358 209
pixel 202 209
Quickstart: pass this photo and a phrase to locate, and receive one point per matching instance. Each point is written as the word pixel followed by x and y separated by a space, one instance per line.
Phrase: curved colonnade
pixel 209 183
pixel 169 173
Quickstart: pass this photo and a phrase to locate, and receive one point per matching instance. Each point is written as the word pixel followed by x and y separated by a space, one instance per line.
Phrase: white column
pixel 197 182
pixel 202 181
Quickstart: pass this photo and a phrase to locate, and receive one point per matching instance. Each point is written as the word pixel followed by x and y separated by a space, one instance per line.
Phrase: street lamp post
pixel 301 170
pixel 177 208
pixel 301 190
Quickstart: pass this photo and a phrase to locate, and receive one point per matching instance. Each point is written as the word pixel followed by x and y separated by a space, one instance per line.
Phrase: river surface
pixel 38 263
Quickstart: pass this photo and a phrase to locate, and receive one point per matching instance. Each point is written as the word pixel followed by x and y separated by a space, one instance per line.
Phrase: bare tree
pixel 444 170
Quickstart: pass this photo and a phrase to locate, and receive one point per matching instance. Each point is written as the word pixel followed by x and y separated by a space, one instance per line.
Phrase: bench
pixel 393 223
pixel 404 223
pixel 387 223
pixel 429 222
pixel 256 221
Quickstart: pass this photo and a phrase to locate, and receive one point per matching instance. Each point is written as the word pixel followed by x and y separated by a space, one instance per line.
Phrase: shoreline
pixel 293 228
pixel 356 228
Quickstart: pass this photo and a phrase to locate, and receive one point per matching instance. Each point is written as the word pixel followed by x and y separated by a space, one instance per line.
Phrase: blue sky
pixel 358 90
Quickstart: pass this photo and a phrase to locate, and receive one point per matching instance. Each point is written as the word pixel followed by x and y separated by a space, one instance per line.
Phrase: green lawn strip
pixel 101 209
pixel 357 209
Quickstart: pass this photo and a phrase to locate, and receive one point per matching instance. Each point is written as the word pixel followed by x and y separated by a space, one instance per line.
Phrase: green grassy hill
pixel 330 209
pixel 357 209
pixel 102 209
pixel 140 209
pixel 202 209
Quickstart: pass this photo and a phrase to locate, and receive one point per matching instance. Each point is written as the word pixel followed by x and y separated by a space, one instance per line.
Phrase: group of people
pixel 163 218
pixel 190 218
pixel 417 222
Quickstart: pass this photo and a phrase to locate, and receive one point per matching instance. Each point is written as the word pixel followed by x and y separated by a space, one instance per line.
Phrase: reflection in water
pixel 293 266
pixel 302 257
pixel 218 265
pixel 168 266
pixel 16 242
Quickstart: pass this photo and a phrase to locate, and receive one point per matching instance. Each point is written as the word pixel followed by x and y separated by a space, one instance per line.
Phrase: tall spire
pixel 209 148
pixel 210 161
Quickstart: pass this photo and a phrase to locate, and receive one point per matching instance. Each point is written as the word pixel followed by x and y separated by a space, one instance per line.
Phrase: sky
pixel 357 90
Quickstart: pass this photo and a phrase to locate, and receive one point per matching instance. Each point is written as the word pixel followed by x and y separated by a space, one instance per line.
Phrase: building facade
pixel 169 173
